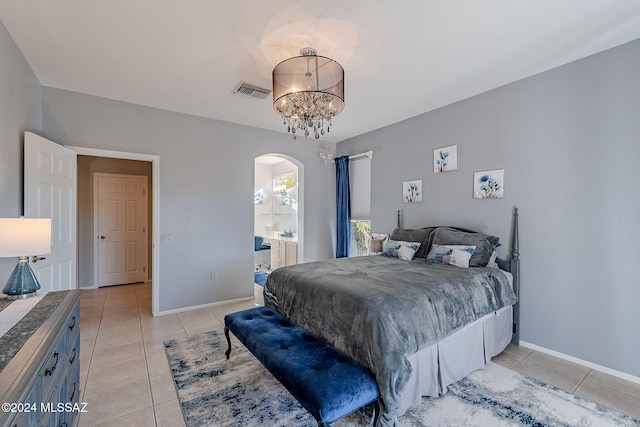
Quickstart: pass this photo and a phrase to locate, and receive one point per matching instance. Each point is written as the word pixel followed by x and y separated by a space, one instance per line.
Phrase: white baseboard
pixel 88 287
pixel 596 367
pixel 195 307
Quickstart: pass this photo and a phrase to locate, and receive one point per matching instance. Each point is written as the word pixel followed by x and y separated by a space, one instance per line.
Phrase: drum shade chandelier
pixel 308 90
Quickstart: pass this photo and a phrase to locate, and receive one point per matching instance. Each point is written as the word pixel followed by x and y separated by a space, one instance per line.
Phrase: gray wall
pixel 206 188
pixel 569 142
pixel 20 110
pixel 87 167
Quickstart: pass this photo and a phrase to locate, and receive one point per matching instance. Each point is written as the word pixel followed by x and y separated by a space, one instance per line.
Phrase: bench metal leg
pixel 377 410
pixel 226 335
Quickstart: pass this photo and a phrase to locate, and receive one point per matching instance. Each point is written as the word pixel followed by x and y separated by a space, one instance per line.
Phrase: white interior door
pixel 121 222
pixel 50 180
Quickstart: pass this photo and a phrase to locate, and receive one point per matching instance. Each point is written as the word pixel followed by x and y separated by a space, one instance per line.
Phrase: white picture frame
pixel 412 191
pixel 445 159
pixel 488 184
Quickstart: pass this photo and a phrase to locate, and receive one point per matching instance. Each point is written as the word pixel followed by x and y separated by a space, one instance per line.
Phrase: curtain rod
pixel 369 154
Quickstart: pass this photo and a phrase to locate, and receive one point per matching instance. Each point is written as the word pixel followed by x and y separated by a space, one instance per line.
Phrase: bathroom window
pixel 283 188
pixel 285 201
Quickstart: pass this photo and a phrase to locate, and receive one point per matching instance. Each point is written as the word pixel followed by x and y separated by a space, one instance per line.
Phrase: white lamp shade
pixel 377 245
pixel 25 236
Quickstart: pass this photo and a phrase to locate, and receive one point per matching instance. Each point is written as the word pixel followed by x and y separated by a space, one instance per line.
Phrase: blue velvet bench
pixel 327 383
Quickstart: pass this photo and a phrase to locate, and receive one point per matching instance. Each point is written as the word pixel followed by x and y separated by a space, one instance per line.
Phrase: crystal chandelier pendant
pixel 308 90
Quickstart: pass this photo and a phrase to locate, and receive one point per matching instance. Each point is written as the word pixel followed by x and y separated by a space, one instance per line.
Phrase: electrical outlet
pixel 167 239
pixel 213 275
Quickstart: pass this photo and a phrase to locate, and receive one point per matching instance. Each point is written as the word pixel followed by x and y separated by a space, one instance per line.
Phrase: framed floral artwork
pixel 488 184
pixel 412 191
pixel 445 159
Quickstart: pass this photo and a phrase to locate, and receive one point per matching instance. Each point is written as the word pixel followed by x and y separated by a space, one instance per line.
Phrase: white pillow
pixel 458 255
pixel 400 249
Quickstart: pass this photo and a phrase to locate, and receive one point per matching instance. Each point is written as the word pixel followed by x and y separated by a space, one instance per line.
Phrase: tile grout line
pixel 146 364
pixel 525 358
pixel 581 381
pixel 86 380
pixel 93 348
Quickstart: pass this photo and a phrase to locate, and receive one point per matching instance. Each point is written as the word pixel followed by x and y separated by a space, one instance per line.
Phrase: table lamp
pixel 23 237
pixel 378 240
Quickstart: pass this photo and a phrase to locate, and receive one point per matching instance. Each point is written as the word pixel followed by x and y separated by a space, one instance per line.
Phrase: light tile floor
pixel 126 381
pixel 605 389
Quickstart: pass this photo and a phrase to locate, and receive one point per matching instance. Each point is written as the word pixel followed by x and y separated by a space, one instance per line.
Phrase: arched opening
pixel 278 214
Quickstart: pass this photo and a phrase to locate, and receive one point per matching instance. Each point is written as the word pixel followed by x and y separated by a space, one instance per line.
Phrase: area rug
pixel 239 392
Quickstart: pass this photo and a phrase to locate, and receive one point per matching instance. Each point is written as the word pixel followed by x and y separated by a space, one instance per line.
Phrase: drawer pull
pixel 73 393
pixel 49 372
pixel 74 356
pixel 73 324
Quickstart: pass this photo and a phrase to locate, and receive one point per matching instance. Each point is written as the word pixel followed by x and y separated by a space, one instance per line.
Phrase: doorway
pixel 279 205
pixel 91 262
pixel 86 247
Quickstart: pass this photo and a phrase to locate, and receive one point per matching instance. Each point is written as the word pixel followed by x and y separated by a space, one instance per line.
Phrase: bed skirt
pixel 455 357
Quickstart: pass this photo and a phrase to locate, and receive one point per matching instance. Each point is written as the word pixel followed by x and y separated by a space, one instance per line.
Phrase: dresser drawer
pixel 73 354
pixel 23 419
pixel 73 326
pixel 73 372
pixel 28 416
pixel 54 367
pixel 73 396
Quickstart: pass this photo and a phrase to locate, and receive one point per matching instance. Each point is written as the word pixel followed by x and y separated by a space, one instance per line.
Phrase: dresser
pixel 40 382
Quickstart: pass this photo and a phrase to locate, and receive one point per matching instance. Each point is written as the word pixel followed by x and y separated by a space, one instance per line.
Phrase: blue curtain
pixel 343 206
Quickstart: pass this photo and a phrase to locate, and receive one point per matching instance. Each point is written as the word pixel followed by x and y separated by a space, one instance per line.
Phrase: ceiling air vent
pixel 252 91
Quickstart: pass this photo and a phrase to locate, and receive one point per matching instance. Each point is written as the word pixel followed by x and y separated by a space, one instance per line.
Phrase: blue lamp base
pixel 22 283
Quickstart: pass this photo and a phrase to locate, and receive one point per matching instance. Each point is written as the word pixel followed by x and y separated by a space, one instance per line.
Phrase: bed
pixel 420 318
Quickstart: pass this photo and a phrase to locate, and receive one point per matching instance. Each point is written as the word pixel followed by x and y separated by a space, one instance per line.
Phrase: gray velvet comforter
pixel 379 310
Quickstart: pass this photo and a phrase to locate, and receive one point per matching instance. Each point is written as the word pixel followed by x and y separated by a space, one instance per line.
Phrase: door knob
pixel 104 237
pixel 35 259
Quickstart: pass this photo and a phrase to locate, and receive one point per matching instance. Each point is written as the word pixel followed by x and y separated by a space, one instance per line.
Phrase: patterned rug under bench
pixel 240 392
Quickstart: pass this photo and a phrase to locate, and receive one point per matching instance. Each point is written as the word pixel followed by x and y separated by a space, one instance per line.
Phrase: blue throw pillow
pixel 400 249
pixel 458 255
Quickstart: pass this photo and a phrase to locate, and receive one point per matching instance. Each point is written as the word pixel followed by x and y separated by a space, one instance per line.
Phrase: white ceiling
pixel 401 58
